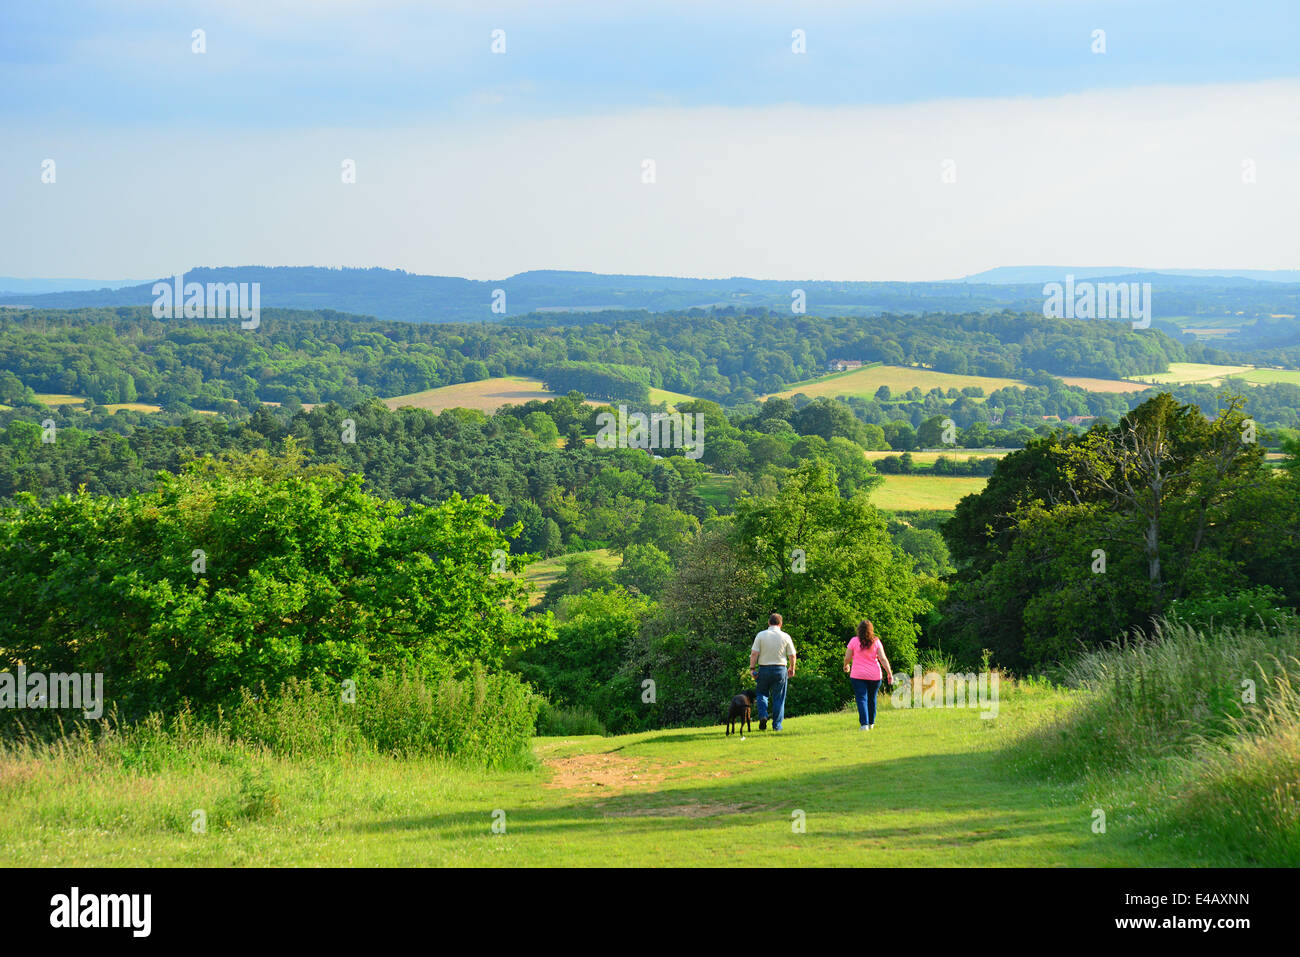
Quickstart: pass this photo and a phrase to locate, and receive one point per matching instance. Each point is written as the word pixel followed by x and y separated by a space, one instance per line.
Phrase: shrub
pixel 484 719
pixel 1245 607
pixel 297 720
pixel 252 571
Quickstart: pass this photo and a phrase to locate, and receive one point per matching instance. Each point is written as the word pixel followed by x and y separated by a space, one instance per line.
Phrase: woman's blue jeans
pixel 864 690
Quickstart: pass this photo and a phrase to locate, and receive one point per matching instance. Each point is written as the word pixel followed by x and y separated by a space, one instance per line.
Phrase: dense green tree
pixel 645 568
pixel 826 561
pixel 249 571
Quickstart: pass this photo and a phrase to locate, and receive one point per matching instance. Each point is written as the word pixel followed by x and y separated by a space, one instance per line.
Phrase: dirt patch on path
pixel 610 771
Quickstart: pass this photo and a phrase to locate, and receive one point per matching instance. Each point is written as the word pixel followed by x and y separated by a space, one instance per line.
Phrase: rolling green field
pixel 865 381
pixel 908 492
pixel 672 399
pixel 926 787
pixel 1266 376
pixel 719 490
pixel 546 572
pixel 1181 373
pixel 898 493
pixel 1208 374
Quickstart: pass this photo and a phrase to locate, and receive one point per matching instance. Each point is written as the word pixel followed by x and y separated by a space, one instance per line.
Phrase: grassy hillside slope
pixel 927 787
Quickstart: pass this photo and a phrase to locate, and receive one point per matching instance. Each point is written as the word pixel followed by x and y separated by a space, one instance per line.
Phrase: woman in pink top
pixel 862 661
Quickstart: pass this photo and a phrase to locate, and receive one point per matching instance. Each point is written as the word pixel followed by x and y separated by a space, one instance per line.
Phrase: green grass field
pixel 1266 376
pixel 718 490
pixel 865 381
pixel 546 572
pixel 908 492
pixel 1215 375
pixel 926 787
pixel 673 399
pixel 1181 373
pixel 898 493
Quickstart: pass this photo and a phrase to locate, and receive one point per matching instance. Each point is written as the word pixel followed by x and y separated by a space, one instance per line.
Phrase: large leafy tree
pixel 1166 472
pixel 1074 543
pixel 825 562
pixel 250 571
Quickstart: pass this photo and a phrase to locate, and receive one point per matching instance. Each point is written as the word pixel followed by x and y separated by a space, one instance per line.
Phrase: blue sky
pixel 115 95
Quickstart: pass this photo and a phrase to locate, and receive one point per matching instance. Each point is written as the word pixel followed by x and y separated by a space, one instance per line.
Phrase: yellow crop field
pixel 867 380
pixel 486 395
pixel 137 407
pixel 1089 384
pixel 929 458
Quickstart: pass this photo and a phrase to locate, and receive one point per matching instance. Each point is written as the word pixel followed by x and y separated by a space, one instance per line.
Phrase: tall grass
pixel 1204 726
pixel 482 720
pixel 1154 697
pixel 1251 787
pixel 568 722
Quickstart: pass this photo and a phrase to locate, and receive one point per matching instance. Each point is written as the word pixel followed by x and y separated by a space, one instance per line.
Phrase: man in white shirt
pixel 773 650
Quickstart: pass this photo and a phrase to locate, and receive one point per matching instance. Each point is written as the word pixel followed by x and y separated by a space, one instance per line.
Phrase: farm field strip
pixel 929 457
pixel 865 381
pixel 910 492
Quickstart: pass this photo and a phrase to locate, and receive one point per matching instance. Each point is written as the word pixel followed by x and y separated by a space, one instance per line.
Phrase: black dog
pixel 741 705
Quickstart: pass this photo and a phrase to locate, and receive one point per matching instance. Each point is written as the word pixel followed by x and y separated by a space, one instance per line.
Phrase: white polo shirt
pixel 774 646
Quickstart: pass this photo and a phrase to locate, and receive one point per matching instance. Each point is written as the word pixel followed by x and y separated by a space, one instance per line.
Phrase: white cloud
pixel 1143 177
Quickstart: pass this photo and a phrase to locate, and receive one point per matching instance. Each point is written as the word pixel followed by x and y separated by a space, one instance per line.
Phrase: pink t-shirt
pixel 866 664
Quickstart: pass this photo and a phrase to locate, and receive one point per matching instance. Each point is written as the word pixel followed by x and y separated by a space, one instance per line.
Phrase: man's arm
pixel 753 659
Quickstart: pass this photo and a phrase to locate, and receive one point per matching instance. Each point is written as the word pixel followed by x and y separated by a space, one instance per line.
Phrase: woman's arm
pixel 848 656
pixel 885 658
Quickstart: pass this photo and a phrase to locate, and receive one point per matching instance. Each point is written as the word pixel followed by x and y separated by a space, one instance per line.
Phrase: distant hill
pixel 1009 275
pixel 395 294
pixel 11 286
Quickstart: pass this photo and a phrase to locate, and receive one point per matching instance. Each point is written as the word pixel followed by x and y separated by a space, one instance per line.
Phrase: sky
pixel 908 141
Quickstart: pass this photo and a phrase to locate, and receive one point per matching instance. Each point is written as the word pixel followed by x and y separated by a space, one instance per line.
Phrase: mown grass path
pixel 926 788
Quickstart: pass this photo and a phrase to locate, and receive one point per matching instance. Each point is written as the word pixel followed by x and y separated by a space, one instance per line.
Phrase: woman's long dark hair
pixel 866 634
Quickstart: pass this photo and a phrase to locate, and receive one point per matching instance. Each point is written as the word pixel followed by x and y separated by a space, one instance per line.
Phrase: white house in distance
pixel 843 365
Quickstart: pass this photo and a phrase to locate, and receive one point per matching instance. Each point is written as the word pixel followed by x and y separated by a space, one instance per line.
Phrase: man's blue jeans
pixel 771 683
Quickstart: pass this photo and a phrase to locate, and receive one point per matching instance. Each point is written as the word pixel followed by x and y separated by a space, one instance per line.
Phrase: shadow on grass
pixel 793 728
